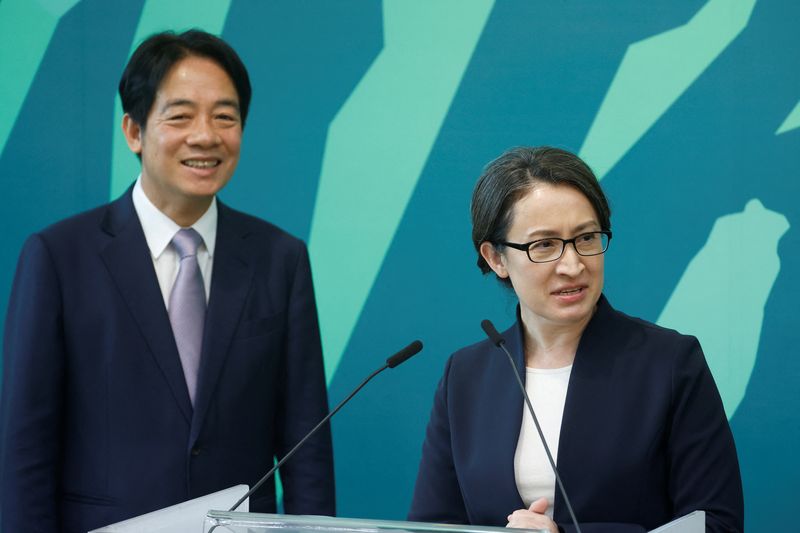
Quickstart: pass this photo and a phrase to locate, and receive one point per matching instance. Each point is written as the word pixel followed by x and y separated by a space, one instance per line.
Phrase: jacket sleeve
pixel 33 387
pixel 437 495
pixel 307 478
pixel 704 469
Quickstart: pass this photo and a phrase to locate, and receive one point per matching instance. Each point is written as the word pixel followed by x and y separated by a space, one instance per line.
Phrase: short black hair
pixel 153 59
pixel 515 173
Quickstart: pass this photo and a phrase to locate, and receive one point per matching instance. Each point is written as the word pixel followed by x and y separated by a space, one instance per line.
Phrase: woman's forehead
pixel 548 209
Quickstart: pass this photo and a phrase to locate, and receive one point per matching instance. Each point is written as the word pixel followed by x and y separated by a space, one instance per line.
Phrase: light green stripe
pixel 159 15
pixel 376 149
pixel 26 27
pixel 654 73
pixel 792 121
pixel 56 8
pixel 721 296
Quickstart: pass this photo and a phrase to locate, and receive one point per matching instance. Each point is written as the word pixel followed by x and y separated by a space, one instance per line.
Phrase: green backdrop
pixel 369 125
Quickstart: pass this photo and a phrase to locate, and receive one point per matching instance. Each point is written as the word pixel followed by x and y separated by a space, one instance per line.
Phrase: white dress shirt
pixel 159 230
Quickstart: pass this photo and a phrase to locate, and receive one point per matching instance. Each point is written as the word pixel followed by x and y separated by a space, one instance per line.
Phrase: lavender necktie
pixel 187 306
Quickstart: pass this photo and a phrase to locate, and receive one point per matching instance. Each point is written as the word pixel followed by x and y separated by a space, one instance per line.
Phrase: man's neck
pixel 183 211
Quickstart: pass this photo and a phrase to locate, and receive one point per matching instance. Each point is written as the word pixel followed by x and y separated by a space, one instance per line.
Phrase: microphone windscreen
pixel 403 355
pixel 490 330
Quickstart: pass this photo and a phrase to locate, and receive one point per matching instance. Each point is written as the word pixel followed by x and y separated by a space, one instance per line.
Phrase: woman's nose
pixel 570 263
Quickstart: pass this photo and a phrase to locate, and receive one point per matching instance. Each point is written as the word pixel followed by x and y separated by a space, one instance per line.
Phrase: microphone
pixel 500 342
pixel 404 355
pixel 400 357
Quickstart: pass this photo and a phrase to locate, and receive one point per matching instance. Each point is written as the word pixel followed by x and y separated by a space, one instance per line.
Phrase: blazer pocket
pixel 87 499
pixel 260 326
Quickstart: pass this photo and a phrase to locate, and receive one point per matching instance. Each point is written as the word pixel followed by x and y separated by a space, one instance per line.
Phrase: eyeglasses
pixel 552 248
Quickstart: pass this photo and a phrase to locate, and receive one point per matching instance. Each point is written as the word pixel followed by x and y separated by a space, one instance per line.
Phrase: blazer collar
pixel 127 259
pixel 234 267
pixel 507 399
pixel 591 362
pixel 515 343
pixel 588 382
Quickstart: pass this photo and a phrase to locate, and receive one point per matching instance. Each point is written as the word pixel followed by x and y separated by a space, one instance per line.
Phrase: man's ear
pixel 495 259
pixel 133 133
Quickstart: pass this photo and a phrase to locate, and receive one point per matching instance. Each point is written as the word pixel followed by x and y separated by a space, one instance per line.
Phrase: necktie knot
pixel 186 242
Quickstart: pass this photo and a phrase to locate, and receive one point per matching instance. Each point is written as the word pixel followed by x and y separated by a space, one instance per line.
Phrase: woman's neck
pixel 549 345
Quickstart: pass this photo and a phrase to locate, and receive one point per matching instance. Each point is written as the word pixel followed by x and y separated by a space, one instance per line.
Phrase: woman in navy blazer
pixel 639 435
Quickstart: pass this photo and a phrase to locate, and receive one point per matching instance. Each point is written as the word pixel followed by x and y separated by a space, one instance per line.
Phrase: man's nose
pixel 203 133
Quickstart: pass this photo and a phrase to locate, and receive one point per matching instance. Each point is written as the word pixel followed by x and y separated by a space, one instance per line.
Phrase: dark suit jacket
pixel 644 438
pixel 97 422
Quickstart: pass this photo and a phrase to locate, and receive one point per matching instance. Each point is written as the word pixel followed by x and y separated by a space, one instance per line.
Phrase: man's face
pixel 190 146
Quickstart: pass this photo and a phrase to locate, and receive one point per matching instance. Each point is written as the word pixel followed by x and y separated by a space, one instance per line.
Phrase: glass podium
pixel 226 522
pixel 190 516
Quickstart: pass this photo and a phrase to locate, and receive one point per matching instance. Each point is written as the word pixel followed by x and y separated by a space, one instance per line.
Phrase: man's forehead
pixel 192 67
pixel 193 78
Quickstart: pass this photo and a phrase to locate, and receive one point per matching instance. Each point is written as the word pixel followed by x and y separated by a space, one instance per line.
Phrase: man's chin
pixel 204 188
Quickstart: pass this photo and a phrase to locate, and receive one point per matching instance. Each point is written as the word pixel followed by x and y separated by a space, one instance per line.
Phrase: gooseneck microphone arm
pixel 397 359
pixel 500 342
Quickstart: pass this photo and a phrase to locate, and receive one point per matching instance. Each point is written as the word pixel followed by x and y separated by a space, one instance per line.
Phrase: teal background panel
pixel 304 60
pixel 57 159
pixel 541 72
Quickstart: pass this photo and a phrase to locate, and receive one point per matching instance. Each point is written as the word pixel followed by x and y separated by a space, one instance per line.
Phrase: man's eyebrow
pixel 177 103
pixel 226 102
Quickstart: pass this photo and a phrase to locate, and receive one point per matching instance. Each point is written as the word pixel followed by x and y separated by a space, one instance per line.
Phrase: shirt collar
pixel 159 229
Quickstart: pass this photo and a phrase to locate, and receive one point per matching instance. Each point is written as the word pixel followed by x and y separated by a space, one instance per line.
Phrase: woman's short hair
pixel 513 175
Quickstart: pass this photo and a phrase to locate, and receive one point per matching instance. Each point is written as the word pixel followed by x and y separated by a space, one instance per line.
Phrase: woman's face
pixel 563 292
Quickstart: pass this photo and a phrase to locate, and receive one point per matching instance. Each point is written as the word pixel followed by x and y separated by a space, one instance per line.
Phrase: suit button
pixel 196 451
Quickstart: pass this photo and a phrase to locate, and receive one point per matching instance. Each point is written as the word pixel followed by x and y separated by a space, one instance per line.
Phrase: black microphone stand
pixel 391 362
pixel 500 342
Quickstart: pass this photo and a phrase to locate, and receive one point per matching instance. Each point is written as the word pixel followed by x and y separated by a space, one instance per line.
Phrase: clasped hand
pixel 533 517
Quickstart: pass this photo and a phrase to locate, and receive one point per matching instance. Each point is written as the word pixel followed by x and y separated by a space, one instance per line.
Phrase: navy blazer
pixel 644 437
pixel 97 421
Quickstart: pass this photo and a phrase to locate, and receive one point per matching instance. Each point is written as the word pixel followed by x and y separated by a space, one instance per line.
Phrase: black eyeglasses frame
pixel 526 247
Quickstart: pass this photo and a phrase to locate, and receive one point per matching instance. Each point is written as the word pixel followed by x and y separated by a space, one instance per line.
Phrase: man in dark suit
pixel 163 346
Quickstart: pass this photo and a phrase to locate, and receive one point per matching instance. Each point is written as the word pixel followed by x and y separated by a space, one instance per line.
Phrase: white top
pixel 547 389
pixel 159 230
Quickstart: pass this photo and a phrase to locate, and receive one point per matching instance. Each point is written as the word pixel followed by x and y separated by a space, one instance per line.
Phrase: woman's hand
pixel 533 517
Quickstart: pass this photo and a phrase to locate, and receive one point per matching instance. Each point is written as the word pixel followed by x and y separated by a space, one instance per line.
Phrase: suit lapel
pixel 585 408
pixel 129 263
pixel 230 284
pixel 509 400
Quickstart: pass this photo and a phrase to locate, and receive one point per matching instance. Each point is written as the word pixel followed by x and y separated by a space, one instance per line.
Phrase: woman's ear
pixel 494 259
